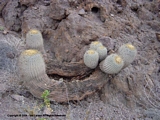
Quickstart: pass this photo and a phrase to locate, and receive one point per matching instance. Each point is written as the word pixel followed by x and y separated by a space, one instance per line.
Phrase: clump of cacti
pixel 102 52
pixel 91 58
pixel 34 40
pixel 97 52
pixel 94 45
pixel 112 64
pixel 128 53
pixel 31 65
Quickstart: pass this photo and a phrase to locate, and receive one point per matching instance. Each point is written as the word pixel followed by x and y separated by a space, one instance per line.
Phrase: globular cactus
pixel 91 58
pixel 94 45
pixel 32 72
pixel 31 65
pixel 34 40
pixel 128 53
pixel 112 64
pixel 102 52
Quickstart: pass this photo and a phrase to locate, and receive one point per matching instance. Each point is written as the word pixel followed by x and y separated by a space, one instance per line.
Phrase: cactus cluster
pixel 98 46
pixel 31 64
pixel 34 40
pixel 113 63
pixel 97 52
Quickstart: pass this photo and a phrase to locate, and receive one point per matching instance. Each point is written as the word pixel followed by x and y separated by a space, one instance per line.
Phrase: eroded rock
pixel 7 53
pixel 58 9
pixel 2 4
pixel 27 2
pixel 11 14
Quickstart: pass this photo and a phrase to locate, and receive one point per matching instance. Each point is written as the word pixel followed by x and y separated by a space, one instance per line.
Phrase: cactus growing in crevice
pixel 91 58
pixel 112 64
pixel 128 53
pixel 34 40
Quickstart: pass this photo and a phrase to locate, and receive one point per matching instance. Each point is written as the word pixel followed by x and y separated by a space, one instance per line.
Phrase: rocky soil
pixel 68 27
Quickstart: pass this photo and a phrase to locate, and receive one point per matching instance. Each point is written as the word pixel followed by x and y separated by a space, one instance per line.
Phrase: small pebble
pixel 112 15
pixel 18 97
pixel 5 32
pixel 47 111
pixel 81 12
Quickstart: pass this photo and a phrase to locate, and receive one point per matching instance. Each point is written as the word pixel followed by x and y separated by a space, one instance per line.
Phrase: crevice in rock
pixel 59 21
pixel 95 10
pixel 3 5
pixel 46 2
pixel 23 8
pixel 134 8
pixel 71 78
pixel 119 2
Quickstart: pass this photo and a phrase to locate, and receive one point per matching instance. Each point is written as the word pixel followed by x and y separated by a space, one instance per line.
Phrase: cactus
pixel 94 45
pixel 91 58
pixel 34 40
pixel 112 64
pixel 102 52
pixel 31 65
pixel 98 46
pixel 32 72
pixel 128 53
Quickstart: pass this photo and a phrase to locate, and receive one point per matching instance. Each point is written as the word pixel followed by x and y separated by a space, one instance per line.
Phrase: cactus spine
pixel 34 40
pixel 128 53
pixel 91 58
pixel 112 64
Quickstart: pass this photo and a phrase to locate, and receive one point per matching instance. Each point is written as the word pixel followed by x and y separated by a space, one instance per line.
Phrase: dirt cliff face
pixel 69 26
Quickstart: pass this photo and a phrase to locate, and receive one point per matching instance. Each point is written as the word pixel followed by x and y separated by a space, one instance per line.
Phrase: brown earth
pixel 68 27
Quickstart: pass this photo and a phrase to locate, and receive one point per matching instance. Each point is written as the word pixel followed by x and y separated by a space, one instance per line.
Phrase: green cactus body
pixel 94 45
pixel 128 53
pixel 31 65
pixel 91 59
pixel 102 51
pixel 112 64
pixel 34 40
